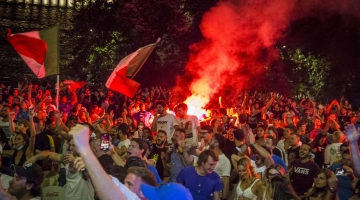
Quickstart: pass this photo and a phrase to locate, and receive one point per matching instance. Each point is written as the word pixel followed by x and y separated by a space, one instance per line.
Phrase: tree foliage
pixel 308 73
pixel 105 32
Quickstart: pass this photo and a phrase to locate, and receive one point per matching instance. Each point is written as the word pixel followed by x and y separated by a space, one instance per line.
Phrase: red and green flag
pixel 129 67
pixel 39 50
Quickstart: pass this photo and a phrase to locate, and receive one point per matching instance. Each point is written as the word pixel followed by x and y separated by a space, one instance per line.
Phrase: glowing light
pixel 196 104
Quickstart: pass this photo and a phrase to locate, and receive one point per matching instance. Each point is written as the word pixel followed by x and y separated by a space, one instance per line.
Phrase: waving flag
pixel 118 81
pixel 137 62
pixel 39 50
pixel 129 66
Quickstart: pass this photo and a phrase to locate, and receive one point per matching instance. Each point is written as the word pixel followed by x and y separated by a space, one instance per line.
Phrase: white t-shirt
pixel 125 143
pixel 223 167
pixel 167 124
pixel 126 191
pixel 5 127
pixel 332 153
pixel 190 125
pixel 258 170
pixel 77 188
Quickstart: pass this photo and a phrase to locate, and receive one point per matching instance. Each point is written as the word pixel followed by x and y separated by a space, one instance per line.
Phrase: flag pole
pixel 57 92
pixel 58 72
pixel 156 43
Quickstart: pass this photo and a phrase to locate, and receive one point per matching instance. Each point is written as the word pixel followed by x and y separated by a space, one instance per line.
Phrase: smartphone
pixel 339 171
pixel 104 142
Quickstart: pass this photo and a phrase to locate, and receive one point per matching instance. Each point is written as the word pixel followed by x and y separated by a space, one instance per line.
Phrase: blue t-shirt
pixel 279 161
pixel 153 169
pixel 200 187
pixel 344 184
pixel 22 115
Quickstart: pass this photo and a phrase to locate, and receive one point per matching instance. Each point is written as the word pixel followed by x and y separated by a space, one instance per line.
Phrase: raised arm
pixel 243 109
pixel 61 129
pixel 45 154
pixel 30 150
pixel 187 158
pixel 74 98
pixel 11 123
pixel 264 109
pixel 353 135
pixel 29 95
pixel 104 186
pixel 261 151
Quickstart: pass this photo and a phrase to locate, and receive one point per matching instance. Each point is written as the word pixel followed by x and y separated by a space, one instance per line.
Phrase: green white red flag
pixel 129 67
pixel 39 50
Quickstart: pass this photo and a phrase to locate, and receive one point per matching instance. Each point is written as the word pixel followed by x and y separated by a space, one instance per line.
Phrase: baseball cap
pixel 32 172
pixel 173 191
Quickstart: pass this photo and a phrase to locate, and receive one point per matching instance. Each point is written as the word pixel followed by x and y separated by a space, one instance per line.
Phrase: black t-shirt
pixel 42 142
pixel 253 120
pixel 155 154
pixel 293 154
pixel 229 148
pixel 302 175
pixel 277 114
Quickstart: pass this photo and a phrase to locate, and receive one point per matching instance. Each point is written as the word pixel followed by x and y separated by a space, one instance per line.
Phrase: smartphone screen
pixel 104 142
pixel 339 171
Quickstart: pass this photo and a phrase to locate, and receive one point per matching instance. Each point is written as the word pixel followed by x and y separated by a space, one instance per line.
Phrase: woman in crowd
pixel 320 187
pixel 115 138
pixel 270 172
pixel 139 131
pixel 249 186
pixel 282 189
pixel 131 123
pixel 23 145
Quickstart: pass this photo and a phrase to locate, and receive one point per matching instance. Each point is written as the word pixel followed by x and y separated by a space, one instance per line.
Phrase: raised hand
pixel 348 171
pixel 12 116
pixel 81 136
pixel 31 114
pixel 351 133
pixel 79 164
pixel 69 158
pixel 86 114
pixel 112 114
pixel 111 150
pixel 57 114
pixel 250 137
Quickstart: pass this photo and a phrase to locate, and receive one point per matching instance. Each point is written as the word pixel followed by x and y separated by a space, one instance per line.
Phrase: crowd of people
pixel 103 145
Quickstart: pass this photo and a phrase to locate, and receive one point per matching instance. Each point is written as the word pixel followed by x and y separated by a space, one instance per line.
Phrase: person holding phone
pixel 345 176
pixel 78 185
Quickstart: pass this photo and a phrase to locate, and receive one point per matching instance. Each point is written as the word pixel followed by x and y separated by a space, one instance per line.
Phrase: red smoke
pixel 239 38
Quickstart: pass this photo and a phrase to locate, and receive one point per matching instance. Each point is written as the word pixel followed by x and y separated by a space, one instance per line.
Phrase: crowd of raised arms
pixel 264 147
